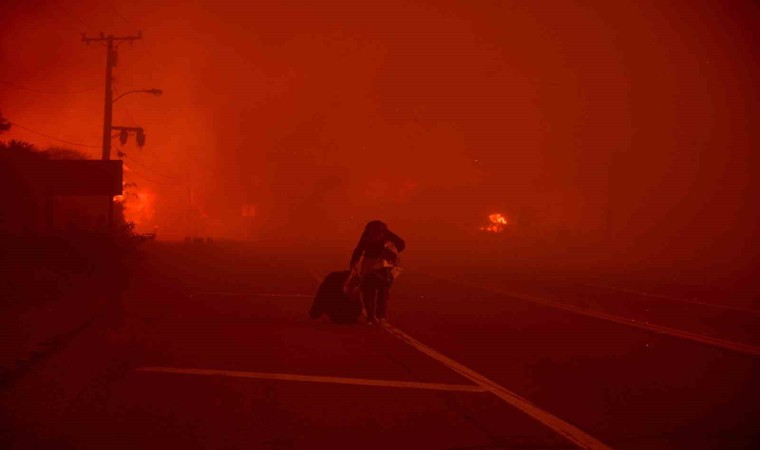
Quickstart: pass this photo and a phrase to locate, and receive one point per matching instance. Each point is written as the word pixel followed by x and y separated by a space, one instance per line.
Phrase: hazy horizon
pixel 622 123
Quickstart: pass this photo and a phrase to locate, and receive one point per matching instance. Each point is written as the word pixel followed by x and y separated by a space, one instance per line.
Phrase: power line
pixel 43 91
pixel 51 137
pixel 158 158
pixel 152 172
pixel 57 19
pixel 147 45
pixel 71 16
pixel 110 63
pixel 119 14
pixel 133 172
pixel 117 90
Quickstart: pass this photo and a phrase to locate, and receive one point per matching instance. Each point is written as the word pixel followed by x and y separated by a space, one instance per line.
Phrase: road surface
pixel 212 347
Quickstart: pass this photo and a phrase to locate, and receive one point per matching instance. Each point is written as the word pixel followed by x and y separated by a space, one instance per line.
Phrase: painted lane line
pixel 668 297
pixel 314 275
pixel 319 379
pixel 707 340
pixel 570 432
pixel 246 294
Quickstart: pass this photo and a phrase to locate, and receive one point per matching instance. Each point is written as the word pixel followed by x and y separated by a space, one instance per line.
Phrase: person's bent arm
pixel 357 253
pixel 397 241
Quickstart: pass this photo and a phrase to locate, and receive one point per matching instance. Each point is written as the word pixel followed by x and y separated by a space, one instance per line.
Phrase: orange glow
pixel 498 222
pixel 579 117
pixel 139 204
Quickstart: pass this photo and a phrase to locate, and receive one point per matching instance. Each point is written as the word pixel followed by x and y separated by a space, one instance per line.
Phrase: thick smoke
pixel 619 126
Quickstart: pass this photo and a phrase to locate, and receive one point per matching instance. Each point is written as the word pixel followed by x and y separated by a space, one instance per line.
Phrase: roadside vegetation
pixel 53 277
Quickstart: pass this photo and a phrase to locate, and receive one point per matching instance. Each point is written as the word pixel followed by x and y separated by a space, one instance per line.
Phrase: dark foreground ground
pixel 211 347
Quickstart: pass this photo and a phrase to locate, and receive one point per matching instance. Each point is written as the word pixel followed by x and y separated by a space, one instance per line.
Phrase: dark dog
pixel 332 301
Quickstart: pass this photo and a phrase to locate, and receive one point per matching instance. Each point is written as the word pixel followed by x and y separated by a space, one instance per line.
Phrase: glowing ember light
pixel 498 222
pixel 142 209
pixel 139 204
pixel 498 219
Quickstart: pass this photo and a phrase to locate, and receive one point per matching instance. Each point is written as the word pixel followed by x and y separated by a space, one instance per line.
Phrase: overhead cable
pixel 151 171
pixel 43 91
pixel 53 138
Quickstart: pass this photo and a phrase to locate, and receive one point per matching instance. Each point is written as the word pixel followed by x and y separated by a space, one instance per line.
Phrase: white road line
pixel 570 432
pixel 668 297
pixel 314 275
pixel 248 294
pixel 715 342
pixel 319 379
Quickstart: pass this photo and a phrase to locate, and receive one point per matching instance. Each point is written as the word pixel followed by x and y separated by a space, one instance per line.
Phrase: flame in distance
pixel 497 223
pixel 139 205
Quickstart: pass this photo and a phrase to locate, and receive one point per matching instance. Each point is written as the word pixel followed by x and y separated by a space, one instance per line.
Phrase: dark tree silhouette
pixel 19 196
pixel 63 153
pixel 4 124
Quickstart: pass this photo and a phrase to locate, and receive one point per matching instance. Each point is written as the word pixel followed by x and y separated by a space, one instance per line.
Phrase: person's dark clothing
pixel 377 265
pixel 376 287
pixel 376 249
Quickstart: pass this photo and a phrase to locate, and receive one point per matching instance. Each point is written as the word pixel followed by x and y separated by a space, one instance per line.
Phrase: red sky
pixel 625 119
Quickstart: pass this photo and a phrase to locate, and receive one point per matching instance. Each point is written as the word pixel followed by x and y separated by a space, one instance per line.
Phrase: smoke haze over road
pixel 623 123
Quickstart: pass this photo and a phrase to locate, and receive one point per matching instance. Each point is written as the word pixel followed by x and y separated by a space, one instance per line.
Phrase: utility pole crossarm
pixel 111 38
pixel 110 63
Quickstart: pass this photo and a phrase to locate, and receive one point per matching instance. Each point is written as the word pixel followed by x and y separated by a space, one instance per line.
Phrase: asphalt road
pixel 211 347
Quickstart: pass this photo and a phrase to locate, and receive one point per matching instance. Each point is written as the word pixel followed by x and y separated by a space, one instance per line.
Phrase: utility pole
pixel 108 111
pixel 110 64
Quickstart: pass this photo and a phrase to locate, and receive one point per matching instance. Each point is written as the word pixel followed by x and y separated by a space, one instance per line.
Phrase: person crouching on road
pixel 377 256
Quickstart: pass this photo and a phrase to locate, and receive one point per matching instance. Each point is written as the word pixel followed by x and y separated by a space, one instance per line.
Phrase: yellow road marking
pixel 570 432
pixel 319 379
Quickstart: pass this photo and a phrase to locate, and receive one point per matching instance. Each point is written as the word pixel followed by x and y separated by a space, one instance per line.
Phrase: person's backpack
pixel 333 301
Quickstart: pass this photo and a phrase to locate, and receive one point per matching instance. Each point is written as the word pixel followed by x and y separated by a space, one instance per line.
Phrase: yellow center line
pixel 570 432
pixel 319 379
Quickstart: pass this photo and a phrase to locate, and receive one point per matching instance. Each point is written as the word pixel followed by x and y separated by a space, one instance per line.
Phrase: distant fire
pixel 498 222
pixel 139 204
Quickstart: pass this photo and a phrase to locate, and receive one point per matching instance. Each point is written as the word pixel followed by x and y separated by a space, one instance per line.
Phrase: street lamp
pixel 107 127
pixel 153 91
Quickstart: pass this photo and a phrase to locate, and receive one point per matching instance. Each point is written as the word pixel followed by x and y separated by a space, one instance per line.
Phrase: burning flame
pixel 498 222
pixel 139 205
pixel 139 202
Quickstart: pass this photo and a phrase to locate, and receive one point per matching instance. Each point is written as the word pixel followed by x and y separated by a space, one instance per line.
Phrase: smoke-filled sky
pixel 628 120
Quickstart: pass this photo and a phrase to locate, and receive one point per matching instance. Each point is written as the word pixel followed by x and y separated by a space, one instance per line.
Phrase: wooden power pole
pixel 108 106
pixel 110 64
